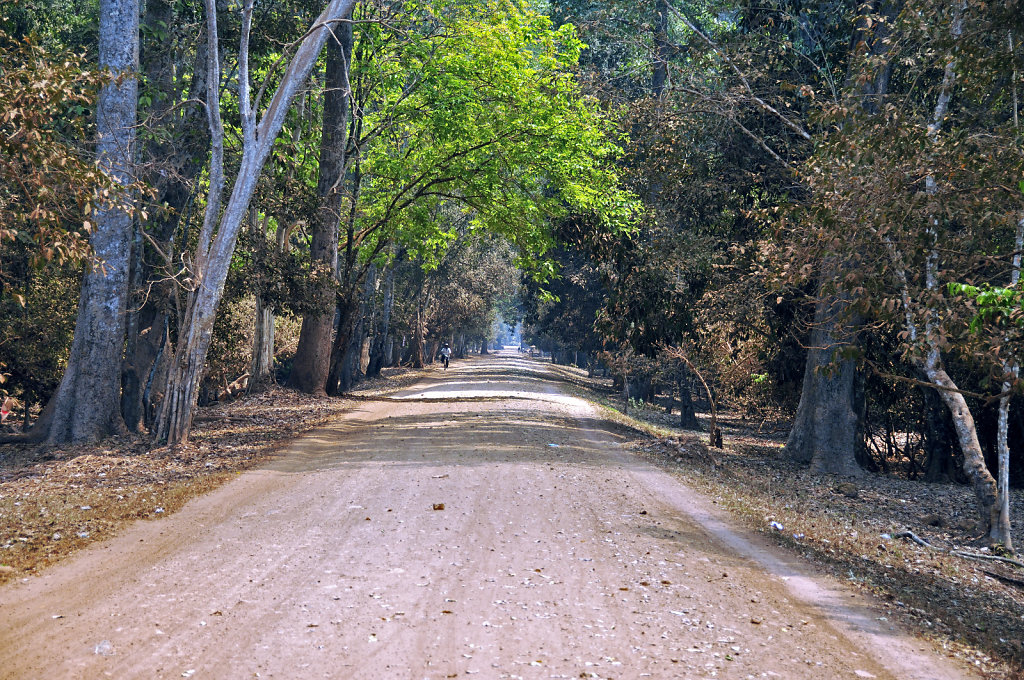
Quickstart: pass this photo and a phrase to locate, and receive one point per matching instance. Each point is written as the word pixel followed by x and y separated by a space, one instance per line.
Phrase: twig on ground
pixel 959 553
pixel 1004 578
pixel 990 558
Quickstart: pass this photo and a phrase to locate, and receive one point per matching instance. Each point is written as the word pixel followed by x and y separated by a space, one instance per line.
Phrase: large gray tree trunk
pixel 313 355
pixel 86 406
pixel 824 432
pixel 213 255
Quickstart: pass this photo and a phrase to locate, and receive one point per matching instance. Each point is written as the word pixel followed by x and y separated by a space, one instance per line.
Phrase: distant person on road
pixel 446 354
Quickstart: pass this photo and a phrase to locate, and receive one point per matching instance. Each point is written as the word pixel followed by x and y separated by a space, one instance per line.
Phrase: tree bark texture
pixel 417 358
pixel 824 431
pixel 313 354
pixel 186 157
pixel 261 370
pixel 87 404
pixel 985 490
pixel 350 362
pixel 381 332
pixel 687 414
pixel 1011 368
pixel 212 263
pixel 262 365
pixel 348 312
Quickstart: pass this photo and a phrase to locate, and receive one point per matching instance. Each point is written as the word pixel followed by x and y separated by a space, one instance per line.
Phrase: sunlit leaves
pixel 486 115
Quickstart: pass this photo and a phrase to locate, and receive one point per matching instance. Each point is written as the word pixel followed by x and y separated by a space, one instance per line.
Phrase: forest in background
pixel 800 210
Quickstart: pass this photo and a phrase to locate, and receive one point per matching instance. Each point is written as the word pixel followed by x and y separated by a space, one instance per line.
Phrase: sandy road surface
pixel 556 555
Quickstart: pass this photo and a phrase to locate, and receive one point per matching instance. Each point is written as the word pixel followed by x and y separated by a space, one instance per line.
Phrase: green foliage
pixel 994 305
pixel 484 114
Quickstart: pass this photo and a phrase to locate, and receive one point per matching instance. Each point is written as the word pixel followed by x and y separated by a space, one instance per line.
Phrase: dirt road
pixel 556 555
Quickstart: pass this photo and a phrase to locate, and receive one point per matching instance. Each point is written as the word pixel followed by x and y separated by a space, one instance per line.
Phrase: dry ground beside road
pixel 556 555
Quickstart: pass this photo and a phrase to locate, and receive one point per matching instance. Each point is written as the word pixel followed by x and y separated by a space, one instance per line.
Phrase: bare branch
pixel 746 84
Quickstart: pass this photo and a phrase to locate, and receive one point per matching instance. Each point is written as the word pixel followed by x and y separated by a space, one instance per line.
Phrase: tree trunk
pixel 460 349
pixel 147 342
pixel 1012 369
pixel 313 354
pixel 350 374
pixel 131 379
pixel 262 363
pixel 659 75
pixel 985 489
pixel 87 404
pixel 379 352
pixel 417 339
pixel 262 367
pixel 348 315
pixel 824 431
pixel 212 261
pixel 350 363
pixel 687 414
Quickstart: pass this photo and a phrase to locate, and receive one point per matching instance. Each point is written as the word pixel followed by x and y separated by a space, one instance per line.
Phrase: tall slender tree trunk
pixel 348 316
pixel 659 74
pixel 417 338
pixel 213 255
pixel 352 358
pixel 147 337
pixel 382 331
pixel 986 490
pixel 1010 368
pixel 87 404
pixel 312 363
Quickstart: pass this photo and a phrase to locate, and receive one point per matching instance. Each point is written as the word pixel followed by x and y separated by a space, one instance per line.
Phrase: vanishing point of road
pixel 481 523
